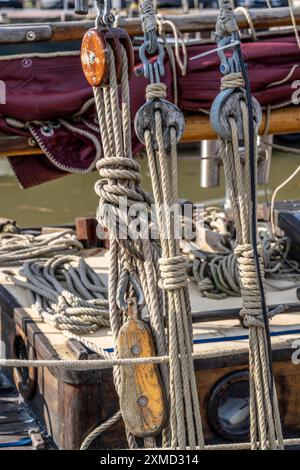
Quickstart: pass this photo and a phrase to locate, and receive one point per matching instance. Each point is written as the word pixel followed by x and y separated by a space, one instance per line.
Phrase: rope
pixel 285 79
pixel 279 187
pixel 232 80
pixel 149 24
pixel 247 15
pixel 174 55
pixel 120 178
pixel 65 292
pixel 16 248
pixel 294 23
pixel 99 430
pixel 185 419
pixel 265 427
pixel 178 42
pixel 218 276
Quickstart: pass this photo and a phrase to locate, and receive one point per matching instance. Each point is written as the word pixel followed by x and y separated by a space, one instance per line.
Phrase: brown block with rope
pixel 142 400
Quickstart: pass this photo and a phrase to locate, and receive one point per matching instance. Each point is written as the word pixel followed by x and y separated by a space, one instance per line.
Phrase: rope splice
pixel 133 265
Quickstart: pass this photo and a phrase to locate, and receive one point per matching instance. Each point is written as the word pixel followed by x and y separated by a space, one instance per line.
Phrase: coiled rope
pixel 218 276
pixel 120 178
pixel 185 419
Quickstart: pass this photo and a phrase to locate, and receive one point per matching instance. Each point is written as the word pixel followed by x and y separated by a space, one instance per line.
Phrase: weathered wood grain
pixel 142 400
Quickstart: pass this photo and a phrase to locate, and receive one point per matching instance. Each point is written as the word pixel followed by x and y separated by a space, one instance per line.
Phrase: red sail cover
pixel 51 97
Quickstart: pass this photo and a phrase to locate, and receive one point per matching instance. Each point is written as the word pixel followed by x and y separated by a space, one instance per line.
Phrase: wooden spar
pixel 206 20
pixel 262 18
pixel 197 128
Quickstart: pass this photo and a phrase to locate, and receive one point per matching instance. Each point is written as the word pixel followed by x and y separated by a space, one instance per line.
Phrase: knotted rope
pixel 232 80
pixel 149 24
pixel 120 178
pixel 16 248
pixel 185 420
pixel 218 276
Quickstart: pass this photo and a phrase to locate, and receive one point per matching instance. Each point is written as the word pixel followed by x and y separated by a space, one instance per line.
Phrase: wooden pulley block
pixel 94 57
pixel 226 105
pixel 142 400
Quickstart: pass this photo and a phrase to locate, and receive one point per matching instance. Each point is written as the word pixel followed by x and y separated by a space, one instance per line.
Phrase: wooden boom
pixel 282 121
pixel 262 18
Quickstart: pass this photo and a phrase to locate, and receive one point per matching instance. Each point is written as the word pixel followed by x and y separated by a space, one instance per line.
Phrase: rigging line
pixel 279 187
pixel 252 163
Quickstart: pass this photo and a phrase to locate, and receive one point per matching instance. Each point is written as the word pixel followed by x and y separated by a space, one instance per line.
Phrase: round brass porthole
pixel 228 407
pixel 25 378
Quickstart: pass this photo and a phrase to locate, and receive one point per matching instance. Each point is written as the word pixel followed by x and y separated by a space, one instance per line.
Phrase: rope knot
pixel 156 90
pixel 115 171
pixel 251 312
pixel 173 272
pixel 232 80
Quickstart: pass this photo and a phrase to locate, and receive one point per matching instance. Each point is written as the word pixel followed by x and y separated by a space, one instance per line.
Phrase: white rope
pixel 275 192
pixel 265 426
pixel 120 177
pixel 100 430
pixel 247 15
pixel 294 22
pixel 66 293
pixel 148 15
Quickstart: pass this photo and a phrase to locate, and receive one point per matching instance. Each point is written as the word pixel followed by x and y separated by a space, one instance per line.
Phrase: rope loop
pixel 156 90
pixel 173 272
pixel 251 311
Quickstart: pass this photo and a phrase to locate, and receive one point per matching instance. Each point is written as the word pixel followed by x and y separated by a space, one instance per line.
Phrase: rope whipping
pixel 185 419
pixel 16 248
pixel 240 126
pixel 130 256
